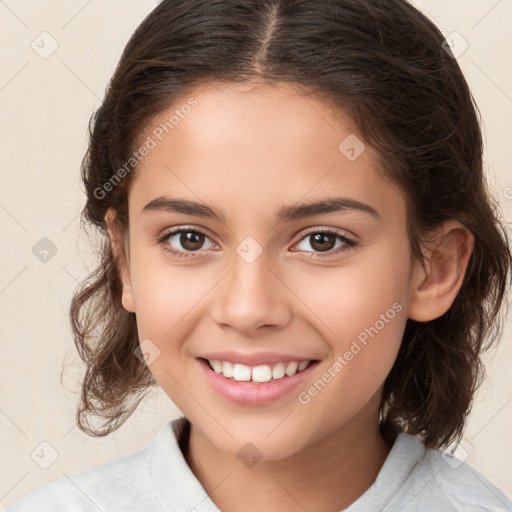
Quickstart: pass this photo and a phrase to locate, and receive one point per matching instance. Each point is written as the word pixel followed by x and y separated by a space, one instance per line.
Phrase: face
pixel 256 279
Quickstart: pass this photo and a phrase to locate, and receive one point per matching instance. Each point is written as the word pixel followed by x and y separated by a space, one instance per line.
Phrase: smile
pixel 255 384
pixel 260 373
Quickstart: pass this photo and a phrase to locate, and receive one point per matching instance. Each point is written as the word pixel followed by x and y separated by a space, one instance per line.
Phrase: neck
pixel 328 475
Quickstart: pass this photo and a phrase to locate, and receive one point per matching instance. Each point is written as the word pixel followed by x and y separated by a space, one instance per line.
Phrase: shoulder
pixel 440 481
pixel 461 484
pixel 121 484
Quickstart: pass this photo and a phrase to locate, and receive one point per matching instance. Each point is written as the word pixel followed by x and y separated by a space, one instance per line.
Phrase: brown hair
pixel 383 63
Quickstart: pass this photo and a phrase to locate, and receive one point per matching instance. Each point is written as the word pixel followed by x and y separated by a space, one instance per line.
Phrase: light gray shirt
pixel 158 479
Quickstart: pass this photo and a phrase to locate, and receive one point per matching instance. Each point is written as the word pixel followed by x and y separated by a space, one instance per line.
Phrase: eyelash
pixel 349 244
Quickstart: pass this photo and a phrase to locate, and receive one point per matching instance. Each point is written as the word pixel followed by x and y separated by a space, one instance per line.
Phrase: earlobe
pixel 121 255
pixel 434 290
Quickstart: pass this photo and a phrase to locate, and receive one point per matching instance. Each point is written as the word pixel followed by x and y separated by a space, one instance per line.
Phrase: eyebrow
pixel 285 214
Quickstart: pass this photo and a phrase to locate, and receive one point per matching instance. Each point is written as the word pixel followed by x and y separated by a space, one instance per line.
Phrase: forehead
pixel 237 144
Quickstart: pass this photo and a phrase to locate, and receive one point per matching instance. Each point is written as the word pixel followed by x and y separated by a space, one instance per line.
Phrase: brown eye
pixel 184 242
pixel 322 241
pixel 325 242
pixel 191 240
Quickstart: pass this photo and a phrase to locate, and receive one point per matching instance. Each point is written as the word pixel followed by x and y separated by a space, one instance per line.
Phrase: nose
pixel 251 296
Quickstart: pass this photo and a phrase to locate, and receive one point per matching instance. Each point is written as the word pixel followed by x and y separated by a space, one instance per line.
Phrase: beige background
pixel 45 105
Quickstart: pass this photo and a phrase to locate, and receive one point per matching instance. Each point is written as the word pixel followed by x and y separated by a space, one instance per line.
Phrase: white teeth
pixel 216 365
pixel 261 373
pixel 278 371
pixel 241 372
pixel 302 365
pixel 291 369
pixel 227 369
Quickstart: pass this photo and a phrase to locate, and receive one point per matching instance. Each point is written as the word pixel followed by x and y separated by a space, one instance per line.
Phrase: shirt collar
pixel 177 488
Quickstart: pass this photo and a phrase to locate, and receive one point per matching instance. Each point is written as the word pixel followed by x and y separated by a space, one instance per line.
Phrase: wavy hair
pixel 384 64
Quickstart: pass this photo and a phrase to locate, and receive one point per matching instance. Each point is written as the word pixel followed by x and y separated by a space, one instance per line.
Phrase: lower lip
pixel 253 393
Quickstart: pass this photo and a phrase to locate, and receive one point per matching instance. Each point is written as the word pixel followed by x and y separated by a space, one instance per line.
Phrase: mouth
pixel 258 384
pixel 260 373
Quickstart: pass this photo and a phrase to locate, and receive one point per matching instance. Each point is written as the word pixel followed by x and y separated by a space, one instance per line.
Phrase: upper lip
pixel 255 358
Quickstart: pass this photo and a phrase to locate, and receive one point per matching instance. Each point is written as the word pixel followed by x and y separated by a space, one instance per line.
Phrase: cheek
pixel 357 294
pixel 363 327
pixel 360 309
pixel 165 294
pixel 165 298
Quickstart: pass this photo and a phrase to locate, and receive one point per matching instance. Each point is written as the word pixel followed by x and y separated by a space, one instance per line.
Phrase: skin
pixel 250 150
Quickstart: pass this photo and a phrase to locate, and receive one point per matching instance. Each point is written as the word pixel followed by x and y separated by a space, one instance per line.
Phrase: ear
pixel 448 254
pixel 121 253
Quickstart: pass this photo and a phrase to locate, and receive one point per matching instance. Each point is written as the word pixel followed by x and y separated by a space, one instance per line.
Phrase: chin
pixel 253 449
